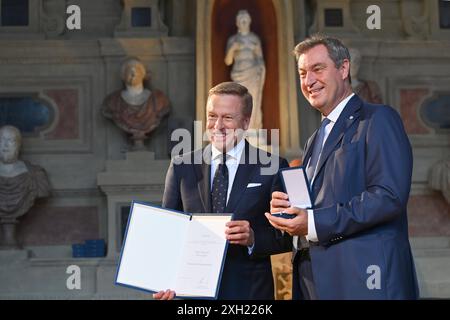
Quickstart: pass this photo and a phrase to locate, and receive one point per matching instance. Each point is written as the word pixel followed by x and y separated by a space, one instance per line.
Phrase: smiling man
pixel 353 243
pixel 223 177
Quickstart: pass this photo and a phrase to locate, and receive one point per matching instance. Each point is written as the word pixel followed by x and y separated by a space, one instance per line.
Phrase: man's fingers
pixel 237 237
pixel 278 223
pixel 279 195
pixel 245 235
pixel 168 295
pixel 277 204
pixel 238 226
pixel 158 295
pixel 241 242
pixel 164 295
pixel 235 223
pixel 237 230
pixel 293 210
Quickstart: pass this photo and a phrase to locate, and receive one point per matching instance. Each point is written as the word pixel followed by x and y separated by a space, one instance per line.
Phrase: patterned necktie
pixel 317 149
pixel 220 187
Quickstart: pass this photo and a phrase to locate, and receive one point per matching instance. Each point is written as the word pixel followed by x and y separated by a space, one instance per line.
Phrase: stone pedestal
pixel 8 238
pixel 139 177
pixel 13 257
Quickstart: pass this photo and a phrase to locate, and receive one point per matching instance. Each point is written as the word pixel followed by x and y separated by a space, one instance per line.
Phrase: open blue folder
pixel 167 249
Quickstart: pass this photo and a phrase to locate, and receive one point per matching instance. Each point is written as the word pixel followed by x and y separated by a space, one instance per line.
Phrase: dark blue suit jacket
pixel 360 195
pixel 188 189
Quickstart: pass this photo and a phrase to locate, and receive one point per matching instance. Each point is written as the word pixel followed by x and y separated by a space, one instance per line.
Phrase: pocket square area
pixel 253 185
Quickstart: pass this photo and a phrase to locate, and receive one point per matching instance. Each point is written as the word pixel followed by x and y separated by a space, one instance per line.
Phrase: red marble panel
pixel 68 105
pixel 428 216
pixel 44 225
pixel 410 100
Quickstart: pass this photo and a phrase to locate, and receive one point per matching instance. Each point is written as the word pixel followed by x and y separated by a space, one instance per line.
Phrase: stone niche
pixel 140 18
pixel 273 22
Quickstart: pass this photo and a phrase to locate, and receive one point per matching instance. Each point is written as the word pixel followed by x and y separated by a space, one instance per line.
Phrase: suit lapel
pixel 243 175
pixel 347 117
pixel 203 173
pixel 308 148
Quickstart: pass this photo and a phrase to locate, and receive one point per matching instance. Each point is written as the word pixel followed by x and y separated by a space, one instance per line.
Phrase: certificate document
pixel 297 187
pixel 167 249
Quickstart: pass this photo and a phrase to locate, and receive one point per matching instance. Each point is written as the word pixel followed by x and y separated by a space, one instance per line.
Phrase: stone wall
pixel 72 72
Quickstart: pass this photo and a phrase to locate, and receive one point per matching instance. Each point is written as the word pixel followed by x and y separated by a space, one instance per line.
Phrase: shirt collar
pixel 234 153
pixel 334 115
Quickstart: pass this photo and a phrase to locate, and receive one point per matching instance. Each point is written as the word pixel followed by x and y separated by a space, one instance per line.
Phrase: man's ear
pixel 345 69
pixel 246 123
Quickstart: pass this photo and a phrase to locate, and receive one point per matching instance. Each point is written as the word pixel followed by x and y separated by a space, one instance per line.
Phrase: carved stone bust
pixel 368 90
pixel 136 109
pixel 439 178
pixel 21 183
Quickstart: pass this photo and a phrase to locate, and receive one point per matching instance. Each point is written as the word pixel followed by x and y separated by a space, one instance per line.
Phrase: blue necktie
pixel 317 149
pixel 301 242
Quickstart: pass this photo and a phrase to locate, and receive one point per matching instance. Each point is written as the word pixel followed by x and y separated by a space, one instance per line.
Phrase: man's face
pixel 134 75
pixel 9 146
pixel 225 122
pixel 322 84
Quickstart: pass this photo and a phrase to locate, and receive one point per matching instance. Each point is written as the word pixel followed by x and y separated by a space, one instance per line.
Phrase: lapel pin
pixel 351 117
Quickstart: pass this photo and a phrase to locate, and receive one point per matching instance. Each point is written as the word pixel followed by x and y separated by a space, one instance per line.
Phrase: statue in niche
pixel 368 90
pixel 136 109
pixel 21 183
pixel 244 52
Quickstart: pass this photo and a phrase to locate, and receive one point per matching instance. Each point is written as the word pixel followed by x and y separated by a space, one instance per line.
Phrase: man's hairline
pixel 328 53
pixel 242 105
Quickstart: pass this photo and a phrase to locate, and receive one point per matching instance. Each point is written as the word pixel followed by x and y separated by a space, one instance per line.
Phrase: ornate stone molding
pixel 126 29
pixel 348 29
pixel 53 17
pixel 415 26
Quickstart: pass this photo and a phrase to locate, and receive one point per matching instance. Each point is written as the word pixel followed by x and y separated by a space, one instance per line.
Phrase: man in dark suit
pixel 200 182
pixel 354 243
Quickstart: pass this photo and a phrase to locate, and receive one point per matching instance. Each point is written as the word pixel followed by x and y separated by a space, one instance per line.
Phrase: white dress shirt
pixel 232 162
pixel 333 117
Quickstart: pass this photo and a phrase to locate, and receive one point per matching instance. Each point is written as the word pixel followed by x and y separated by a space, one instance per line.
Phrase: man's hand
pixel 240 232
pixel 297 226
pixel 164 295
pixel 280 202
